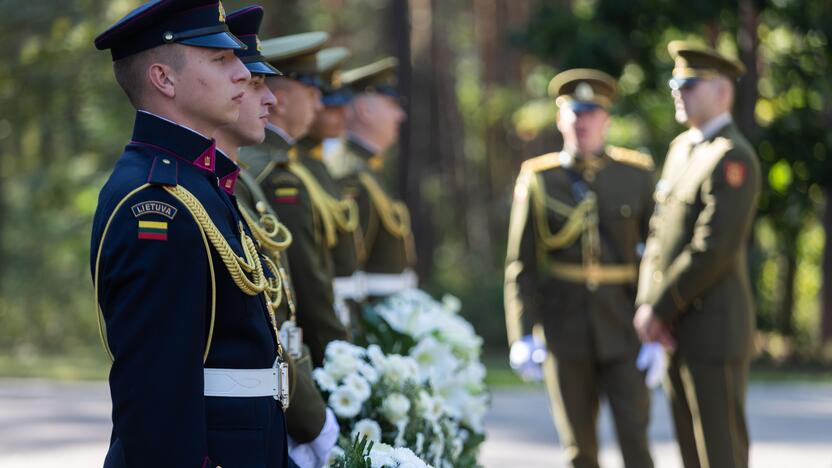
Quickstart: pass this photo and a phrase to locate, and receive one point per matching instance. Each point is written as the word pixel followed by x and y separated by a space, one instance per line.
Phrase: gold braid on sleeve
pixel 335 214
pixel 394 214
pixel 272 235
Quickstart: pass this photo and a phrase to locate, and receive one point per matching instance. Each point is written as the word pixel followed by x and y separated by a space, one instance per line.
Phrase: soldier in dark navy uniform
pixel 178 278
pixel 312 427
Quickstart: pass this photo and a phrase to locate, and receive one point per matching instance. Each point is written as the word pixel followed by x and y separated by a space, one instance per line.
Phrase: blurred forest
pixel 475 73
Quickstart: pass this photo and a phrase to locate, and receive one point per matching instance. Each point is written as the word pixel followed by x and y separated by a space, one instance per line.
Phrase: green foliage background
pixel 64 122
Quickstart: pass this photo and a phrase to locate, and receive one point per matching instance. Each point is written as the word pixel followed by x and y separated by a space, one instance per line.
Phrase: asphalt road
pixel 47 424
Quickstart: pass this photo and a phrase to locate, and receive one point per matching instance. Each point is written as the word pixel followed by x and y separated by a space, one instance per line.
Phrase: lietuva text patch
pixel 153 207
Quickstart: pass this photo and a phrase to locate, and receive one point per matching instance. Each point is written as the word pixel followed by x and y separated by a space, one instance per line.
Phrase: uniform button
pixel 657 276
pixel 626 211
pixel 166 161
pixel 260 206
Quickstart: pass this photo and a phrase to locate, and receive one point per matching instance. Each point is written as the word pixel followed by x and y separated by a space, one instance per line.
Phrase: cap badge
pixel 584 92
pixel 259 47
pixel 222 13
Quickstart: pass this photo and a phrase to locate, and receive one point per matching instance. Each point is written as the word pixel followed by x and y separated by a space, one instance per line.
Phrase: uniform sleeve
pixel 306 414
pixel 153 289
pixel 729 198
pixel 648 206
pixel 311 266
pixel 520 288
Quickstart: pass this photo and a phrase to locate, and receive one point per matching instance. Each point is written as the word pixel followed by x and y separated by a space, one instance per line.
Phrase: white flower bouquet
pixel 385 399
pixel 447 352
pixel 366 454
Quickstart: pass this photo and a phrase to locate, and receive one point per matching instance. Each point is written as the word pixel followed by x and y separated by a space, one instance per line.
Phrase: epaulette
pixel 631 157
pixel 541 163
pixel 163 171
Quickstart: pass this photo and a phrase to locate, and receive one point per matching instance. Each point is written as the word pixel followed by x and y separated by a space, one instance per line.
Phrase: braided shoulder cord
pixel 394 214
pixel 237 267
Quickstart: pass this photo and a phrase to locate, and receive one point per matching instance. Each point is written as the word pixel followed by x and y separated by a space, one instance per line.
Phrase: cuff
pixel 669 304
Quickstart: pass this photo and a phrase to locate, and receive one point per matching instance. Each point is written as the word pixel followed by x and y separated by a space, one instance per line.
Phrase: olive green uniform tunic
pixel 570 278
pixel 385 240
pixel 695 275
pixel 312 270
pixel 307 412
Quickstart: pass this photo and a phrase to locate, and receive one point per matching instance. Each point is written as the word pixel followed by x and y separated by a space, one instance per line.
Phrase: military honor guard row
pixel 225 256
pixel 245 225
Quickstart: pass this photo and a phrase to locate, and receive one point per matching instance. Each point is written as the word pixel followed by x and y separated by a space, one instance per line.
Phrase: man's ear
pixel 281 106
pixel 364 109
pixel 163 79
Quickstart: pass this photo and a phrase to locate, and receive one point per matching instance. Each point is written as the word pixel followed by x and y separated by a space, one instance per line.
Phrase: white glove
pixel 302 455
pixel 323 444
pixel 526 356
pixel 651 358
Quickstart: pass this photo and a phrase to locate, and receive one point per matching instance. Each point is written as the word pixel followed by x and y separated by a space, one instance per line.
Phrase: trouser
pixel 707 398
pixel 575 387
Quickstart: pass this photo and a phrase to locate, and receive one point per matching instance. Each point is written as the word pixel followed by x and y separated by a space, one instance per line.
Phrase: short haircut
pixel 131 71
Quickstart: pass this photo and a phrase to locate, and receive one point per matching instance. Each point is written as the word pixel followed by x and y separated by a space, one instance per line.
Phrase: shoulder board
pixel 631 157
pixel 541 163
pixel 164 171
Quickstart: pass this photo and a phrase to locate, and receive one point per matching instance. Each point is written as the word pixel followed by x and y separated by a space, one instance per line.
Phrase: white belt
pixel 246 382
pixel 380 284
pixel 350 287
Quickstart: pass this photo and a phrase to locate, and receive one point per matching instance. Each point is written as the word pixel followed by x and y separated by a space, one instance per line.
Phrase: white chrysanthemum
pixel 341 348
pixel 458 332
pixel 344 402
pixel 324 380
pixel 381 456
pixel 368 372
pixel 451 303
pixel 405 457
pixel 430 407
pixel 398 369
pixel 472 377
pixel 336 453
pixel 358 385
pixel 474 412
pixel 395 407
pixel 434 358
pixel 406 317
pixel 377 357
pixel 367 428
pixel 340 366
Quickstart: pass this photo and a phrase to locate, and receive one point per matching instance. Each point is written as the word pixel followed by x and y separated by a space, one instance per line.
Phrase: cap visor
pixel 582 106
pixel 682 83
pixel 262 68
pixel 335 99
pixel 221 40
pixel 309 80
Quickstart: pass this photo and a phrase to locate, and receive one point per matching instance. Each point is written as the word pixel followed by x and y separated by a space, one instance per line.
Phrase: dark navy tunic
pixel 157 279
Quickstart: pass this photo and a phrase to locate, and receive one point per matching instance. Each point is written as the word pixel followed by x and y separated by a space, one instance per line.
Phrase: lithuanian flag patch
pixel 286 195
pixel 153 230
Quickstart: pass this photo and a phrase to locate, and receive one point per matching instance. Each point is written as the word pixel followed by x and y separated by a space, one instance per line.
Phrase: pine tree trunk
pixel 826 298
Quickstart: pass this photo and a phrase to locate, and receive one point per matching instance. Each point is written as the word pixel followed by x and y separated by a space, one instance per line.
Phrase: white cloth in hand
pixel 323 444
pixel 652 359
pixel 302 455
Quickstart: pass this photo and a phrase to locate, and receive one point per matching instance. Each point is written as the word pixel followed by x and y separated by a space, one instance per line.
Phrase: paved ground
pixel 47 424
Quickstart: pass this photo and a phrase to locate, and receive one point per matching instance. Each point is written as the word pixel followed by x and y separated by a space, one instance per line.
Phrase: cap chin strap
pixel 171 37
